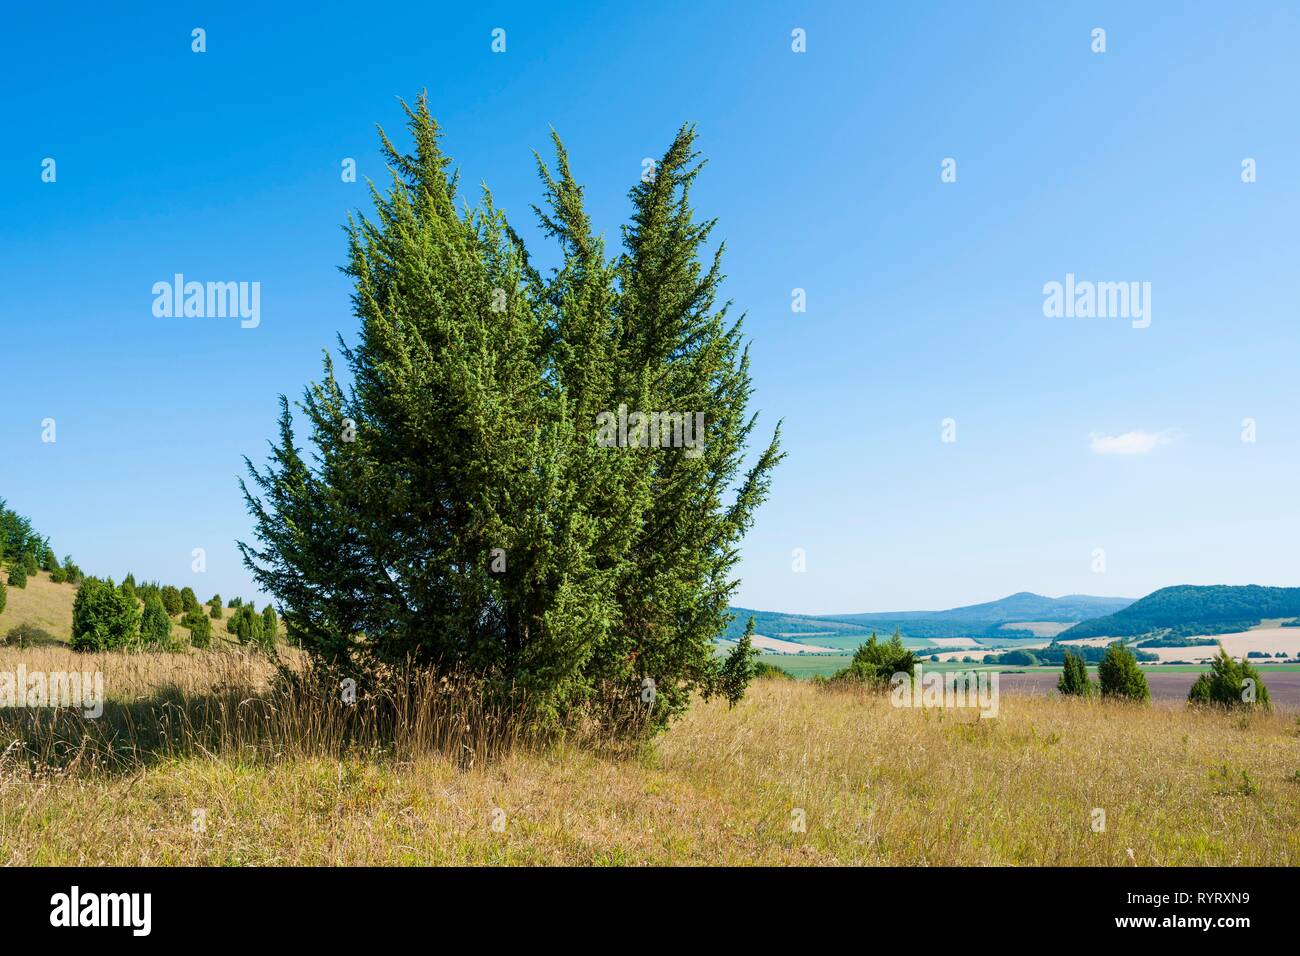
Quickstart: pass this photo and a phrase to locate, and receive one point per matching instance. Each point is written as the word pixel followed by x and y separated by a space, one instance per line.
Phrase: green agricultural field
pixel 804 666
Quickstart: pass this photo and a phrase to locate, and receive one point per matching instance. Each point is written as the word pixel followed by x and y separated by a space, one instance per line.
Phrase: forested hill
pixel 1021 606
pixel 991 619
pixel 1189 609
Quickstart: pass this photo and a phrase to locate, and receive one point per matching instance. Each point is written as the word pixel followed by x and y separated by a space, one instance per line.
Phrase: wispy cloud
pixel 1130 443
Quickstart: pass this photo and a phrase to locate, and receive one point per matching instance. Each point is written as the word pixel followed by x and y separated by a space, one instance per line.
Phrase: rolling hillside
pixel 42 604
pixel 1022 606
pixel 993 620
pixel 1187 609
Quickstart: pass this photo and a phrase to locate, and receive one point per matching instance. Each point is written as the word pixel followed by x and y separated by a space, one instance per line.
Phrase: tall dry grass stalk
pixel 240 704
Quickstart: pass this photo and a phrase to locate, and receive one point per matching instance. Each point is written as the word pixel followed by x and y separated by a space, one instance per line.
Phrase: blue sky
pixel 925 298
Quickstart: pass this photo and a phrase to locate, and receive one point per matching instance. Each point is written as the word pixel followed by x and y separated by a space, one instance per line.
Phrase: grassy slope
pixel 49 606
pixel 877 785
pixel 43 603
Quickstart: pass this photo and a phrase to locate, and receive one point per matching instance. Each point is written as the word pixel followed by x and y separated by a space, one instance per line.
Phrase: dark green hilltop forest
pixel 1189 609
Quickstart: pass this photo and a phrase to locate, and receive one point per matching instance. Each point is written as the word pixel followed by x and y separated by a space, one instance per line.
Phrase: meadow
pixel 213 767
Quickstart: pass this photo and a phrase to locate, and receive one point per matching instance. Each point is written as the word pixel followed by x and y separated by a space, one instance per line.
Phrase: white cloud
pixel 1129 443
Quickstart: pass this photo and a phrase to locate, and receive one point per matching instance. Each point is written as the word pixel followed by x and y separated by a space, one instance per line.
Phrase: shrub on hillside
pixel 4 596
pixel 189 600
pixel 875 662
pixel 765 671
pixel 1230 683
pixel 30 564
pixel 28 635
pixel 235 603
pixel 155 625
pixel 58 576
pixel 200 628
pixel 171 599
pixel 72 573
pixel 1120 676
pixel 246 625
pixel 215 612
pixel 103 618
pixel 1074 679
pixel 127 587
pixel 49 563
pixel 270 625
pixel 18 575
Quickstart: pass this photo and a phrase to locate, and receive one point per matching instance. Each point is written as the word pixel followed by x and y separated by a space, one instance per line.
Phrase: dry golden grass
pixel 42 603
pixel 876 785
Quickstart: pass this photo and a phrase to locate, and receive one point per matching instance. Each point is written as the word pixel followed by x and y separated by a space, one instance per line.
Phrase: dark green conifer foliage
pixel 457 508
pixel 1230 683
pixel 155 625
pixel 246 625
pixel 1120 675
pixel 876 662
pixel 103 618
pixel 737 668
pixel 270 626
pixel 72 573
pixel 171 599
pixel 1074 679
pixel 200 628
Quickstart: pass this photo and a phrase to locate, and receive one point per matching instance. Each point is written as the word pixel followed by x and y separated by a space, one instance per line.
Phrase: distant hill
pixel 993 619
pixel 1187 609
pixel 1021 606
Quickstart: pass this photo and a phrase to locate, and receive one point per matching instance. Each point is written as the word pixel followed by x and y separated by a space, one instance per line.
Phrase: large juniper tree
pixel 458 508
